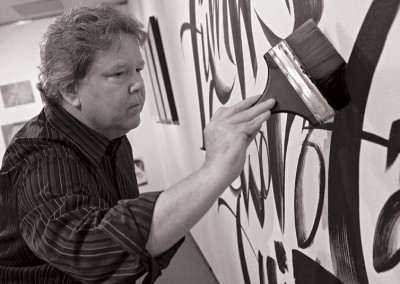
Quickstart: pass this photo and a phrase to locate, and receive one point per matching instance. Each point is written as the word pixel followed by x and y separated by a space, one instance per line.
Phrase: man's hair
pixel 73 41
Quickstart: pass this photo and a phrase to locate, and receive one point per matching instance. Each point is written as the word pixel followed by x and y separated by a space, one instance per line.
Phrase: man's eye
pixel 139 70
pixel 118 74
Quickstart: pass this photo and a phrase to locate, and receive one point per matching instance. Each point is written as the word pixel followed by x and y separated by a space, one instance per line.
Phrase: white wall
pixel 179 145
pixel 19 57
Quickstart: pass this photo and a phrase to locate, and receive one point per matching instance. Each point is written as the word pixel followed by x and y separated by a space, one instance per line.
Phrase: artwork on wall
pixel 312 204
pixel 9 130
pixel 140 172
pixel 15 94
pixel 158 73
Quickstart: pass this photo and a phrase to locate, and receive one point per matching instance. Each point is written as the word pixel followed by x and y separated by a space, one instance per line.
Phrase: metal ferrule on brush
pixel 292 68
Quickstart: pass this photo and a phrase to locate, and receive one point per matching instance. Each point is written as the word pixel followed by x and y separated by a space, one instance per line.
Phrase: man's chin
pixel 135 123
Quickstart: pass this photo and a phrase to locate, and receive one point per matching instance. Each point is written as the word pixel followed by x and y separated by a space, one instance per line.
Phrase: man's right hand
pixel 227 137
pixel 230 131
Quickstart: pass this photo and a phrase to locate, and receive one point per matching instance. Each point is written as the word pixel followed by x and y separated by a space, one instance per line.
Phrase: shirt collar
pixel 88 142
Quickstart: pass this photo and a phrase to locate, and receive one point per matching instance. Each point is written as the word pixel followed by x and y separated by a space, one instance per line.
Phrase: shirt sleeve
pixel 74 229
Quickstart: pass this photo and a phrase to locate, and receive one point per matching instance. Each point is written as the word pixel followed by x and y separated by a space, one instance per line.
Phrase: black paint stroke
pixel 216 3
pixel 213 11
pixel 237 42
pixel 222 202
pixel 245 271
pixel 272 38
pixel 191 26
pixel 242 189
pixel 245 8
pixel 222 91
pixel 288 6
pixel 308 271
pixel 304 10
pixel 304 240
pixel 277 167
pixel 259 194
pixel 261 268
pixel 344 161
pixel 281 257
pixel 263 141
pixel 392 144
pixel 206 66
pixel 225 25
pixel 289 122
pixel 386 248
pixel 271 271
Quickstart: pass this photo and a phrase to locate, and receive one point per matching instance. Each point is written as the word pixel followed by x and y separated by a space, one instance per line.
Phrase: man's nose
pixel 135 87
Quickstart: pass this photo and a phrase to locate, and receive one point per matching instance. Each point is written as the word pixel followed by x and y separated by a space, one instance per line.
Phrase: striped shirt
pixel 70 210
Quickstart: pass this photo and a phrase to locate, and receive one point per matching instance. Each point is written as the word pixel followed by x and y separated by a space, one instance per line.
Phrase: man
pixel 70 207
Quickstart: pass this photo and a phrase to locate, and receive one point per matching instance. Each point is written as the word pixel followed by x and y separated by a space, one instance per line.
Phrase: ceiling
pixel 13 11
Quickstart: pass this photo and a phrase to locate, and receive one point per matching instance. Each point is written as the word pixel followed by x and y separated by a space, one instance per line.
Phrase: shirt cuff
pixel 129 223
pixel 154 266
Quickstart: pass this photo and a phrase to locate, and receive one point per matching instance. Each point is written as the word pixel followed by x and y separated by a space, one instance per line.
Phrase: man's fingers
pixel 236 108
pixel 252 112
pixel 247 103
pixel 253 125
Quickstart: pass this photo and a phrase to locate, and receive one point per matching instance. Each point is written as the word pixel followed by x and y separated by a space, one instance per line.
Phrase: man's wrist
pixel 218 174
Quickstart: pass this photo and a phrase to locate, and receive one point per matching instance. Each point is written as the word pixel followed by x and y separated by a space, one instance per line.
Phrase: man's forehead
pixel 122 52
pixel 122 38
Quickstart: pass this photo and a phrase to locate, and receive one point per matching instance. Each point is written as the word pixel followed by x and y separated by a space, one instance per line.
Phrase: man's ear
pixel 71 96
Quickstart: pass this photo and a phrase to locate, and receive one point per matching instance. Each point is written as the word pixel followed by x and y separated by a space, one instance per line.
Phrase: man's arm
pixel 227 137
pixel 66 223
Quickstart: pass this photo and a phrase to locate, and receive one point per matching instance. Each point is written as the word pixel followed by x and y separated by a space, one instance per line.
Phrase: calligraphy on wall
pixel 319 184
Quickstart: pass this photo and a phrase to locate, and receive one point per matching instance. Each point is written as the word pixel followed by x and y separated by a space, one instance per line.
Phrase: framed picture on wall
pixel 10 130
pixel 159 75
pixel 18 93
pixel 140 172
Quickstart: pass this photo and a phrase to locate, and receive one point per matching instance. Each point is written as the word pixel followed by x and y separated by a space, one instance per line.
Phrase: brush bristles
pixel 314 50
pixel 321 61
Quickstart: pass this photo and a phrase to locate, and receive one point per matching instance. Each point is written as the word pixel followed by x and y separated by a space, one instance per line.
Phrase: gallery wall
pixel 19 57
pixel 313 204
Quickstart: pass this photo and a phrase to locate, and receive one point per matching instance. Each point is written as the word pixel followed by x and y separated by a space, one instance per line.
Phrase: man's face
pixel 112 94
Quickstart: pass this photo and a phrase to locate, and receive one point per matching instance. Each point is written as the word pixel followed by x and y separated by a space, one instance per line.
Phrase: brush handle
pixel 286 97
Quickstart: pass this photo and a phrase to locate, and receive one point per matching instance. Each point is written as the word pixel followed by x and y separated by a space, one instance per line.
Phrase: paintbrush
pixel 306 75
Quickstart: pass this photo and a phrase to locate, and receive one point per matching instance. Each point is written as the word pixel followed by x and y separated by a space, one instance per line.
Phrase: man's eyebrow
pixel 118 65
